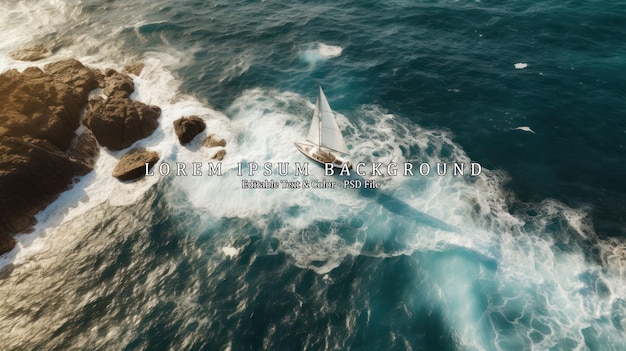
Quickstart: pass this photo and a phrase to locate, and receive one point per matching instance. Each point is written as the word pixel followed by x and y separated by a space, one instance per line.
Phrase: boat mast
pixel 319 119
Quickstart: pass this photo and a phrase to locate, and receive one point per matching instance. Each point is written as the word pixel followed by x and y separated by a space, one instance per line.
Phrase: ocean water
pixel 530 255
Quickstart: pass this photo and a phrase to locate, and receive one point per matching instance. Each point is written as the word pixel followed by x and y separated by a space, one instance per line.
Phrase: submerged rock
pixel 33 52
pixel 219 155
pixel 212 141
pixel 134 68
pixel 132 166
pixel 187 128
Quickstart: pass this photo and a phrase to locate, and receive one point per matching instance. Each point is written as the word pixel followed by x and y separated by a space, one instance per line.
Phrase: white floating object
pixel 230 251
pixel 319 52
pixel 329 51
pixel 521 65
pixel 525 129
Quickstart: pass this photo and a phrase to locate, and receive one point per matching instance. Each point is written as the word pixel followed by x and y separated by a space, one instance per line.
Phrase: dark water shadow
pixel 397 206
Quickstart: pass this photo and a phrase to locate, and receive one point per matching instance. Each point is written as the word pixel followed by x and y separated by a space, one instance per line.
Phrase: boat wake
pixel 184 261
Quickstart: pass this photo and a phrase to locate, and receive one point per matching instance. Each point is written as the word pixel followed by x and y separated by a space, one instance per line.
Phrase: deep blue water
pixel 444 64
pixel 529 256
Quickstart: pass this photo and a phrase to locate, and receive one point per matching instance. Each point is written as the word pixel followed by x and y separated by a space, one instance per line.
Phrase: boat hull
pixel 323 157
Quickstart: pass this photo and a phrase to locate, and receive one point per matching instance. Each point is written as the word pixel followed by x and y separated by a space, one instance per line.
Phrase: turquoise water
pixel 528 256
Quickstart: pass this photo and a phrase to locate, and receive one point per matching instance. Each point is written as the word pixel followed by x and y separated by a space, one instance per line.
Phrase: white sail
pixel 324 130
pixel 314 135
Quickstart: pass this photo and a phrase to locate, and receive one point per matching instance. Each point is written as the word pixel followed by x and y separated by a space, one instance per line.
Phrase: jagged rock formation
pixel 187 128
pixel 132 166
pixel 39 155
pixel 117 121
pixel 115 81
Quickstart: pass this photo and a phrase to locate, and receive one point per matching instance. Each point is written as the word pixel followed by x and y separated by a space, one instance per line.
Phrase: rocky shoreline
pixel 40 151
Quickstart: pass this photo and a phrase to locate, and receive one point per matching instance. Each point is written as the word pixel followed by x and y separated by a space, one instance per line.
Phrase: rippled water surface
pixel 529 255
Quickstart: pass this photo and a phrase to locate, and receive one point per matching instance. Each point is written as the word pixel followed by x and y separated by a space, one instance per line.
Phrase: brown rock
pixel 99 77
pixel 132 166
pixel 118 121
pixel 85 149
pixel 134 68
pixel 74 75
pixel 33 52
pixel 33 172
pixel 45 105
pixel 7 243
pixel 40 111
pixel 187 128
pixel 114 82
pixel 212 141
pixel 219 155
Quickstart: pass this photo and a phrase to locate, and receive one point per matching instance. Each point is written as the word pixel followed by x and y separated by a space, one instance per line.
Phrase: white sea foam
pixel 230 252
pixel 99 186
pixel 240 66
pixel 38 17
pixel 155 85
pixel 529 267
pixel 319 51
pixel 329 51
pixel 533 276
pixel 527 262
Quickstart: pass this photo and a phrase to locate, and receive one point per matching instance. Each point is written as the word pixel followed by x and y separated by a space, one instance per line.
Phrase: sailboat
pixel 324 142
